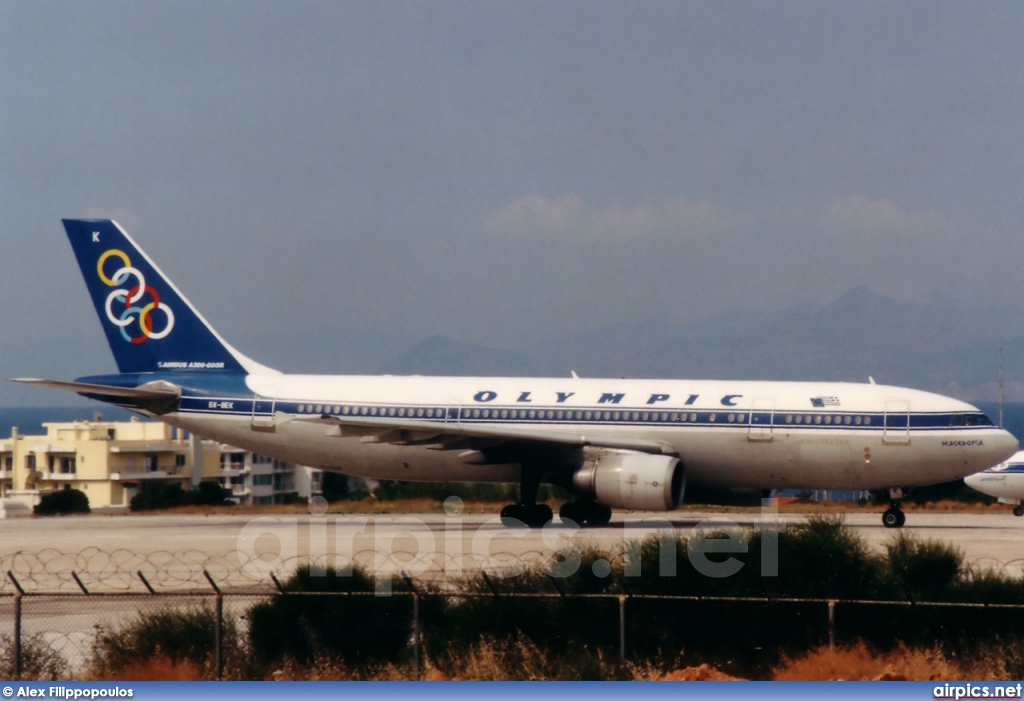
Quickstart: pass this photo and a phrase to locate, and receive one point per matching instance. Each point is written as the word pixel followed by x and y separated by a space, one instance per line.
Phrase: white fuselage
pixel 727 434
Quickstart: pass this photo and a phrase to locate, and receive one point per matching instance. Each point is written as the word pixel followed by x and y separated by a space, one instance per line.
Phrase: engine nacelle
pixel 628 479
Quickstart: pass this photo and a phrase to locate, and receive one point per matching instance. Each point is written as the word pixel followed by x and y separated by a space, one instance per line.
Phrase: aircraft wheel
pixel 1018 510
pixel 573 511
pixel 598 514
pixel 540 515
pixel 511 516
pixel 521 515
pixel 893 518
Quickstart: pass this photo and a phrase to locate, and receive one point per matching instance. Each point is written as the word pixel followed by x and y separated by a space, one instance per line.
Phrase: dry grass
pixel 517 659
pixel 648 672
pixel 369 505
pixel 520 659
pixel 326 669
pixel 859 663
pixel 158 668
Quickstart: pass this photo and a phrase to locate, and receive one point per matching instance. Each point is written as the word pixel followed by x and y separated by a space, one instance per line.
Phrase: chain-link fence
pixel 235 634
pixel 116 614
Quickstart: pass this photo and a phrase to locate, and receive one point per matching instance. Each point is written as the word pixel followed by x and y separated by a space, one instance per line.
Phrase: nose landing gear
pixel 894 516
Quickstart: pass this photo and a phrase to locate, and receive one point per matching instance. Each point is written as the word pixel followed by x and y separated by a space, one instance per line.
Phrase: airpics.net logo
pixel 130 307
pixel 408 546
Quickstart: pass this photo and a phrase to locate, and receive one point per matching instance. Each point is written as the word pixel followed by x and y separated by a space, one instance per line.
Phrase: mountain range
pixel 942 347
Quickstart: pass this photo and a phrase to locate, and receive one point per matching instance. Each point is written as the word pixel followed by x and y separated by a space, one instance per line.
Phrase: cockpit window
pixel 969 420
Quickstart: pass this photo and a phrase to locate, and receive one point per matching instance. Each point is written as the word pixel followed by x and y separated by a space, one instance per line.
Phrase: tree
pixel 65 501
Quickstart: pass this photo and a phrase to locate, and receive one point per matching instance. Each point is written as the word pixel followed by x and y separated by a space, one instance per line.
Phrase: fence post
pixel 831 624
pixel 415 625
pixel 218 628
pixel 622 628
pixel 17 636
pixel 17 624
pixel 416 634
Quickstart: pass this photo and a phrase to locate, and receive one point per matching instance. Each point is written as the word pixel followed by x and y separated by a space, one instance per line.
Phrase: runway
pixel 240 551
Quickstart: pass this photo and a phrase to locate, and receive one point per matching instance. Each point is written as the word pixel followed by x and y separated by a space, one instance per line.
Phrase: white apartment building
pixel 112 461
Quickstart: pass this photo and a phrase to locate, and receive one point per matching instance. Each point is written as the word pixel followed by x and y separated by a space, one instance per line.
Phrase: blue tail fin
pixel 150 326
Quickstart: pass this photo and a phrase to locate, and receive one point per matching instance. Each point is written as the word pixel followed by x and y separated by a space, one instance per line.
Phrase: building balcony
pixel 231 472
pixel 161 447
pixel 58 476
pixel 133 476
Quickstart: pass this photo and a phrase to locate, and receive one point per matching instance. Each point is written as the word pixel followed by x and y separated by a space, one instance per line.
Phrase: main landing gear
pixel 1018 510
pixel 525 514
pixel 585 512
pixel 894 516
pixel 526 511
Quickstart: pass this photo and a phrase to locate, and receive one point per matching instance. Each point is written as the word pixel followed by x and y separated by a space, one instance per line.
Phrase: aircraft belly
pixel 312 445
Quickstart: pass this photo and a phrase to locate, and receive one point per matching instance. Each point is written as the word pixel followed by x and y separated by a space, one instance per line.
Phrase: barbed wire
pixel 95 570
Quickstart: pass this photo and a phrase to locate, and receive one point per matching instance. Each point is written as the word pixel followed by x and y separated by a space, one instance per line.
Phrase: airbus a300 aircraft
pixel 630 444
pixel 1004 481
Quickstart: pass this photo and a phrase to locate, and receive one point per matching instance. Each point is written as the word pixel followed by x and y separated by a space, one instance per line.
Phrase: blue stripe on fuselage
pixel 227 394
pixel 214 402
pixel 1013 468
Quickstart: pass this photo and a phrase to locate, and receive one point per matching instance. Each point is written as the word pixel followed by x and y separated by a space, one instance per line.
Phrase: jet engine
pixel 628 479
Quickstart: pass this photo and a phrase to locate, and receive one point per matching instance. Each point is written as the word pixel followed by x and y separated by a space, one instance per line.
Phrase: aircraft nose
pixel 1006 443
pixel 973 480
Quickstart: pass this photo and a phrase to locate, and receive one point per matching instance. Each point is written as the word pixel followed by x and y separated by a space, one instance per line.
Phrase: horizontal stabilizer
pixel 159 396
pixel 152 390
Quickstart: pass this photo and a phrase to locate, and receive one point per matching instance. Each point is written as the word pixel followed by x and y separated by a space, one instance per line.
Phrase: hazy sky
pixel 501 172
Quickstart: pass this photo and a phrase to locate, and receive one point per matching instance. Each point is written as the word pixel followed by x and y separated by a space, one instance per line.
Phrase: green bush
pixel 334 486
pixel 925 569
pixel 171 494
pixel 819 559
pixel 181 635
pixel 64 501
pixel 303 627
pixel 39 660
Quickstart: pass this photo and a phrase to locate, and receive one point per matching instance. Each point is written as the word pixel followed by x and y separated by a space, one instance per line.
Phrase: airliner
pixel 613 443
pixel 1005 481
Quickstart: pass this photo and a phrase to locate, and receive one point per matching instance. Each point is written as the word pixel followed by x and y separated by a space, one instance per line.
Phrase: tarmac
pixel 173 551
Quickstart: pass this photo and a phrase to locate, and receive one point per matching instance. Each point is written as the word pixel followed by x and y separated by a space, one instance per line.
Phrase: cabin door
pixel 897 421
pixel 263 408
pixel 762 416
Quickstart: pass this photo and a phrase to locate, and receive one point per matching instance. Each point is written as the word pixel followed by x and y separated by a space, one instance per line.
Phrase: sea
pixel 30 420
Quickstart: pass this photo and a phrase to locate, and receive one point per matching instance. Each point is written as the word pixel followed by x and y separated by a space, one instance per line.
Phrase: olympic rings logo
pixel 131 298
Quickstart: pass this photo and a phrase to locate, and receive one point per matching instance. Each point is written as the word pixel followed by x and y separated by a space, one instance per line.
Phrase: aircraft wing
pixel 455 436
